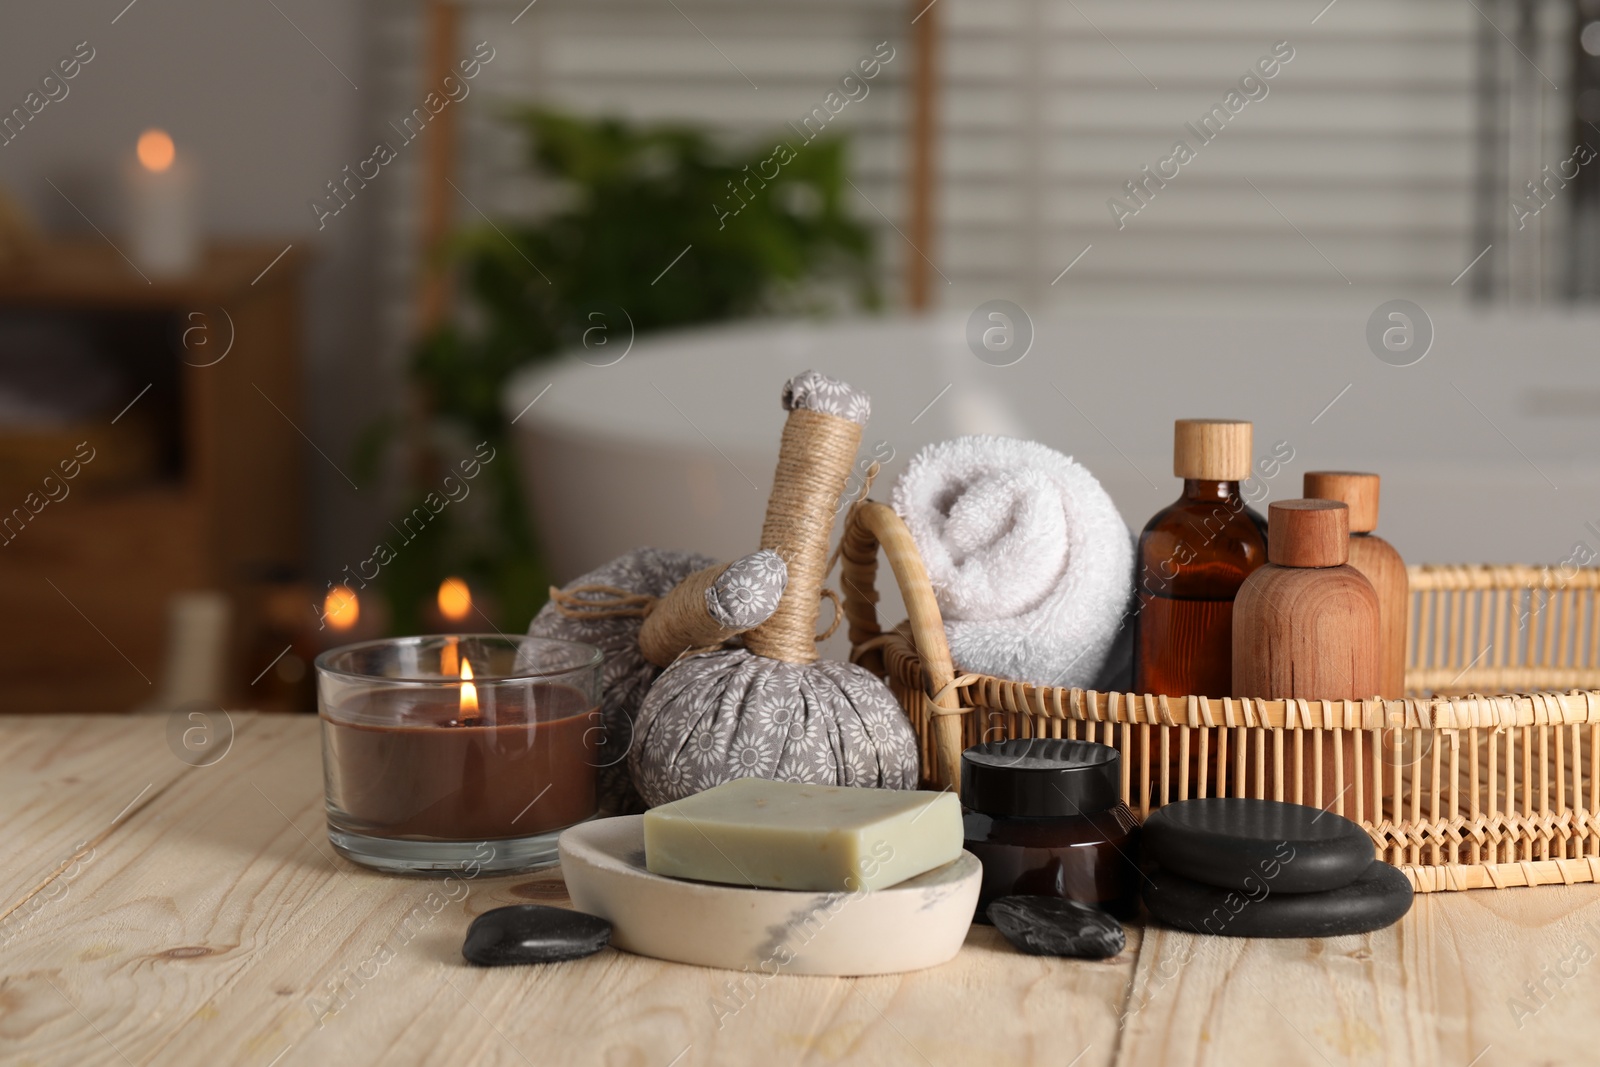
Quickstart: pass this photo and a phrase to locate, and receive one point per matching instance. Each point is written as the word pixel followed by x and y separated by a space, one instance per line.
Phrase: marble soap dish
pixel 919 923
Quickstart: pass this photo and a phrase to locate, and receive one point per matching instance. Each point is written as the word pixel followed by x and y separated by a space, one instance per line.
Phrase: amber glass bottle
pixel 1193 556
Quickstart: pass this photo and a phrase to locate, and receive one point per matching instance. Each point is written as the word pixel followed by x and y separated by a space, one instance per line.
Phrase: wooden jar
pixel 1306 624
pixel 1379 562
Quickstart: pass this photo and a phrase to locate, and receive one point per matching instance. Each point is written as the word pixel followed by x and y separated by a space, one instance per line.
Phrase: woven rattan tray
pixel 1460 790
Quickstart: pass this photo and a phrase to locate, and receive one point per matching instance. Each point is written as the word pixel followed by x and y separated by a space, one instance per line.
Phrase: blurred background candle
pixel 163 225
pixel 341 609
pixel 454 600
pixel 453 604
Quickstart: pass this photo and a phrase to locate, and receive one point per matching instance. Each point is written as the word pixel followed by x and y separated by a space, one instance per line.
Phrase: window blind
pixel 1349 173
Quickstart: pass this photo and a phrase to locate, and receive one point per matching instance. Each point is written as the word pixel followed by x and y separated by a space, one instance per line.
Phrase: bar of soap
pixel 786 835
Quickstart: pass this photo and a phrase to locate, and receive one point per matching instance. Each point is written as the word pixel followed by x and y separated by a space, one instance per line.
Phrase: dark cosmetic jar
pixel 1045 817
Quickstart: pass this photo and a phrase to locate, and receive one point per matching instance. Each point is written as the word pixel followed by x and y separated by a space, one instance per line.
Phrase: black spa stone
pixel 1375 900
pixel 1052 926
pixel 1238 843
pixel 533 933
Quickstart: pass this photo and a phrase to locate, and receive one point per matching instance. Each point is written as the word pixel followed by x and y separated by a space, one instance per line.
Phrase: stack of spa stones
pixel 1236 867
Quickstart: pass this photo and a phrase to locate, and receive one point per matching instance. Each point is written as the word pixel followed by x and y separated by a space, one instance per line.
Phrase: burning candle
pixel 467 705
pixel 341 608
pixel 163 226
pixel 454 599
pixel 432 763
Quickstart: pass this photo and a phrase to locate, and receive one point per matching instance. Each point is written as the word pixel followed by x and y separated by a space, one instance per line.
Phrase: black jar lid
pixel 1041 777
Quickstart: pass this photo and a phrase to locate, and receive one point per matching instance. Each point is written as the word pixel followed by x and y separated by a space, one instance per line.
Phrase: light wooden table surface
pixel 159 913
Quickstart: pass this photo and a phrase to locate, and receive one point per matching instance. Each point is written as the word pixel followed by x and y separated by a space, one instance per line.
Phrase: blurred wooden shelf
pixel 85 584
pixel 90 273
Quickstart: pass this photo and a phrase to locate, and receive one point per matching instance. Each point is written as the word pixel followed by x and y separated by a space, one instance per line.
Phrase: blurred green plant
pixel 631 199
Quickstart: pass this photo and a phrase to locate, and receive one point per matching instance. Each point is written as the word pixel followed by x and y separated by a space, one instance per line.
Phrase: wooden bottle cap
pixel 1216 450
pixel 1308 533
pixel 1356 489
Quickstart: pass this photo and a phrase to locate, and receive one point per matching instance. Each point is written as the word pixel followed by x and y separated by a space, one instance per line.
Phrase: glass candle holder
pixel 458 751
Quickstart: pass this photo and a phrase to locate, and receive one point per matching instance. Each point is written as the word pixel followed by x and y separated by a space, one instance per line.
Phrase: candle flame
pixel 469 693
pixel 455 599
pixel 156 150
pixel 341 608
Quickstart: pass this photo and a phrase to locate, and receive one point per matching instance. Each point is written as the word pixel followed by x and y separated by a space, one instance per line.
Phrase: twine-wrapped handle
pixel 713 605
pixel 819 445
pixel 872 525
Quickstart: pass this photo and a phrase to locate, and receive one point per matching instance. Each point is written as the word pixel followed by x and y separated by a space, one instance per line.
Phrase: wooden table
pixel 156 912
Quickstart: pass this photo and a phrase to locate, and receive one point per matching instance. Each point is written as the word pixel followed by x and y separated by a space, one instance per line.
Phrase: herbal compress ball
pixel 770 709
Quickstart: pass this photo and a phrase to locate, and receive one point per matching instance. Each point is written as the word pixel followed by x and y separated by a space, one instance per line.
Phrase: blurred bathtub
pixel 1489 446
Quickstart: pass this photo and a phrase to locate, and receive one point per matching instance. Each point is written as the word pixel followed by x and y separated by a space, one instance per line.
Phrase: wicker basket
pixel 1459 790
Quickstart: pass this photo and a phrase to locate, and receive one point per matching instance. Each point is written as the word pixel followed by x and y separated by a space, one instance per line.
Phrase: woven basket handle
pixel 872 525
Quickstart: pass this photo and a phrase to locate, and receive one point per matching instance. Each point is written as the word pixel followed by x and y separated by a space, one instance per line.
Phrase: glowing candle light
pixel 469 694
pixel 341 608
pixel 162 223
pixel 455 599
pixel 156 150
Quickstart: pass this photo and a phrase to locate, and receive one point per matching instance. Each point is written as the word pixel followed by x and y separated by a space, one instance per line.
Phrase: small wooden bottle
pixel 1377 559
pixel 1306 624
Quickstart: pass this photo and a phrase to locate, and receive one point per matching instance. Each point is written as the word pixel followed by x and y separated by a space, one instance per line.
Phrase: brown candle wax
pixel 415 769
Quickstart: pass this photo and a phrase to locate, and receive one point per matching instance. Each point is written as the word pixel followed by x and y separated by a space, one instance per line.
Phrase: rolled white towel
pixel 1030 560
